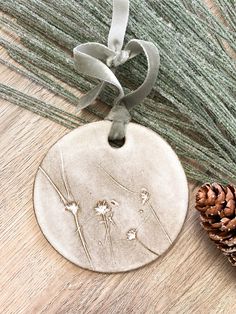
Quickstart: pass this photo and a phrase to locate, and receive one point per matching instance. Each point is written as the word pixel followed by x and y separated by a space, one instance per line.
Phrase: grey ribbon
pixel 100 61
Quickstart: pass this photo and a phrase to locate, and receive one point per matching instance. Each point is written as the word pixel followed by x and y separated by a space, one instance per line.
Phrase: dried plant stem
pixel 192 104
pixel 41 108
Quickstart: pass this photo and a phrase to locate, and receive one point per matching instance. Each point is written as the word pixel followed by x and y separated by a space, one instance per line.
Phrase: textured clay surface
pixel 110 209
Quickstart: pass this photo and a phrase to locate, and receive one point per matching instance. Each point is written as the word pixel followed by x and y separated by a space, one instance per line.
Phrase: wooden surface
pixel 193 277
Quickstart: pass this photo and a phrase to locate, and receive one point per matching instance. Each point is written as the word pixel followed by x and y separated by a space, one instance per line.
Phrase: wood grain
pixel 193 277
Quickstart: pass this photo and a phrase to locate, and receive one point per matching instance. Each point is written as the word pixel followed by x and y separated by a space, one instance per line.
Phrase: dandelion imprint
pixel 70 205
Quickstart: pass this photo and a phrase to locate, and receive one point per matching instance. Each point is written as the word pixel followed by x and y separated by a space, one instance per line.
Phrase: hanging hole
pixel 116 143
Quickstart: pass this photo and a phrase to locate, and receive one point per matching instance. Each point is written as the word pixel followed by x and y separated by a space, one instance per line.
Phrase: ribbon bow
pixel 99 61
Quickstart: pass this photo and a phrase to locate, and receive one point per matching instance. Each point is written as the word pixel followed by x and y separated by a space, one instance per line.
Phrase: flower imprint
pixel 71 206
pixel 104 210
pixel 132 234
pixel 144 196
pixel 159 221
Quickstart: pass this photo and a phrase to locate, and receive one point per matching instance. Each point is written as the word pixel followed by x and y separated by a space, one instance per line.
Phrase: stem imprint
pixel 115 181
pixel 159 222
pixel 71 206
pixel 144 196
pixel 132 234
pixel 104 210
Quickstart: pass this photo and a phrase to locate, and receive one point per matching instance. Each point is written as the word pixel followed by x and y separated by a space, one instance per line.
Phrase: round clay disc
pixel 110 209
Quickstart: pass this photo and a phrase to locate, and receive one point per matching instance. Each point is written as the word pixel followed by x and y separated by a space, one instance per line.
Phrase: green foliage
pixel 193 102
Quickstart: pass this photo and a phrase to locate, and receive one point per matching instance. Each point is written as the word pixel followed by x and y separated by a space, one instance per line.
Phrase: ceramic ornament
pixel 106 208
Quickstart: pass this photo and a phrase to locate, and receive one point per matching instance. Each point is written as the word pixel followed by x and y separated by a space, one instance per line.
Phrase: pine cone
pixel 217 205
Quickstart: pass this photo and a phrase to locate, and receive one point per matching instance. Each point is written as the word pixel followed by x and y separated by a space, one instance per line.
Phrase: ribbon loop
pixel 98 61
pixel 153 61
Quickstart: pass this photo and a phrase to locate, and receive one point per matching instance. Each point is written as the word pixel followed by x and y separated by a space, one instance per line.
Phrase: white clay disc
pixel 110 209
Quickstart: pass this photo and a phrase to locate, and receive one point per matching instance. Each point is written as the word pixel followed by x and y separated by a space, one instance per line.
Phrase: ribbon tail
pixel 120 117
pixel 90 97
pixel 119 23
